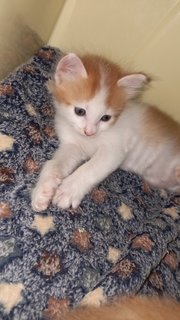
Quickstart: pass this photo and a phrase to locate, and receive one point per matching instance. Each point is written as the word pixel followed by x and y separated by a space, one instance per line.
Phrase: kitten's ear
pixel 70 67
pixel 133 84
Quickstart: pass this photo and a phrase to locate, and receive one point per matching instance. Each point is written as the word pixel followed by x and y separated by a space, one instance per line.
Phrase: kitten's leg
pixel 81 181
pixel 47 183
pixel 65 160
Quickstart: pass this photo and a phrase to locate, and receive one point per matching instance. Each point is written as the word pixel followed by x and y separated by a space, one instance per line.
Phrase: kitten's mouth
pixel 90 135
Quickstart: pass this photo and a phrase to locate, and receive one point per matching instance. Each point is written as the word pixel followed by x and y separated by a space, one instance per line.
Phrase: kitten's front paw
pixel 69 193
pixel 43 193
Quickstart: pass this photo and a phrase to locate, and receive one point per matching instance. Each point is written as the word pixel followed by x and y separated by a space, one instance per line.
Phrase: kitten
pixel 134 308
pixel 101 128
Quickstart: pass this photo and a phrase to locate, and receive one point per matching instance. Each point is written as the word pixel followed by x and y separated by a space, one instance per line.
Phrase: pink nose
pixel 89 132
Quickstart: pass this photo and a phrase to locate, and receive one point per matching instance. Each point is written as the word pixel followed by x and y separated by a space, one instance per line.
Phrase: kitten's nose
pixel 89 132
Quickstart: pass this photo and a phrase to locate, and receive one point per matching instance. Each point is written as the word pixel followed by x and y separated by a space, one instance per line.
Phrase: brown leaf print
pixel 93 298
pixel 75 211
pixel 6 175
pixel 140 201
pixel 6 142
pixel 113 254
pixel 5 210
pixel 31 165
pixel 156 280
pixel 125 212
pixel 11 294
pixel 172 212
pixel 163 193
pixel 48 111
pixel 46 55
pixel 99 195
pixel 143 242
pixel 170 260
pixel 49 264
pixel 176 200
pixel 81 239
pixel 31 110
pixel 50 132
pixel 34 133
pixel 56 308
pixel 6 89
pixel 28 68
pixel 146 187
pixel 124 268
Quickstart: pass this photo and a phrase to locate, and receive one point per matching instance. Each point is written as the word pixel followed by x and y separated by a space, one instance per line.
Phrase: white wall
pixel 141 34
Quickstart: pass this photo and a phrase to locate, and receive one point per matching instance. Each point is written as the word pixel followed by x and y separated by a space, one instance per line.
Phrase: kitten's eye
pixel 79 111
pixel 105 118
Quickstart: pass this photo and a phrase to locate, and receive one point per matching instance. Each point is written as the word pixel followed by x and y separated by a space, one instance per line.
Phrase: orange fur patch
pixel 101 72
pixel 129 308
pixel 159 127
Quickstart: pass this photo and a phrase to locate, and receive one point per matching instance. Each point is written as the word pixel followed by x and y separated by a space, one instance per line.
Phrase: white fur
pixel 121 145
pixel 82 161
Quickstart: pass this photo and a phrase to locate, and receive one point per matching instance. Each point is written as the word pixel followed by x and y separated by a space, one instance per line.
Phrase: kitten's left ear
pixel 70 67
pixel 133 84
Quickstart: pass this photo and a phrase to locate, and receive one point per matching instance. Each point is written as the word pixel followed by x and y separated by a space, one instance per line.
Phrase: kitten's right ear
pixel 69 68
pixel 133 84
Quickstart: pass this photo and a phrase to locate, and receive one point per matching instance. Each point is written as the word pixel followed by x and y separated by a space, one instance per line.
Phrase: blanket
pixel 123 239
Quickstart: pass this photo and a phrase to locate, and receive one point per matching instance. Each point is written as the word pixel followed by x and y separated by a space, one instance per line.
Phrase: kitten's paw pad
pixel 41 198
pixel 39 205
pixel 42 195
pixel 68 194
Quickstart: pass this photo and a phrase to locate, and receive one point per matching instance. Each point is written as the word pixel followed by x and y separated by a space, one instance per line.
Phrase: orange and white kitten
pixel 135 308
pixel 101 128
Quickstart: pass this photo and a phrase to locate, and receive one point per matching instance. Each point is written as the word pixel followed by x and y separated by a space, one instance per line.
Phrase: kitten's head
pixel 91 92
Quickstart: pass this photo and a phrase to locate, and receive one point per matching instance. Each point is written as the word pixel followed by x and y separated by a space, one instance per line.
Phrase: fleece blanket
pixel 122 239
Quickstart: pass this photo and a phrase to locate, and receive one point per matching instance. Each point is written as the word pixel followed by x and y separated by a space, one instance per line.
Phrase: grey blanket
pixel 123 239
